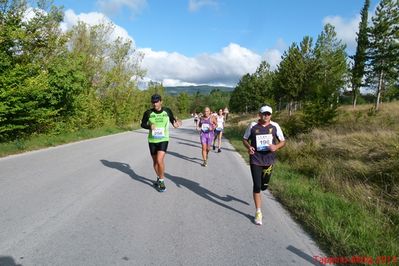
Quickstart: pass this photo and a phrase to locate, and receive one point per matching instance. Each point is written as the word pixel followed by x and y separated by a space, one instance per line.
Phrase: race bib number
pixel 205 127
pixel 158 133
pixel 220 125
pixel 263 142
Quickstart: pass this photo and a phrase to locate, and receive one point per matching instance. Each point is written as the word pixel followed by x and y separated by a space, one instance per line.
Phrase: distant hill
pixel 191 90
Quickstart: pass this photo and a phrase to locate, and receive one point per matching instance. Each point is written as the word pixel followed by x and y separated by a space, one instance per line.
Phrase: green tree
pixel 119 85
pixel 198 103
pixel 218 99
pixel 90 45
pixel 253 90
pixel 27 46
pixel 329 77
pixel 264 79
pixel 293 73
pixel 183 102
pixel 384 47
pixel 359 59
pixel 240 100
pixel 111 67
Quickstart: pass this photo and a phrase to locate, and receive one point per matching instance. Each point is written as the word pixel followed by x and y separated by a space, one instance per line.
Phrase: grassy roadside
pixel 343 205
pixel 342 227
pixel 44 141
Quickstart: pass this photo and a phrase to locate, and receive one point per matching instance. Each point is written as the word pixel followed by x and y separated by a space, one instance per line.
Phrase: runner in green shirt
pixel 157 120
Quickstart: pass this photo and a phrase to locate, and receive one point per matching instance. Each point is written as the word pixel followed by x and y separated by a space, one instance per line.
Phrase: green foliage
pixel 56 82
pixel 343 227
pixel 318 114
pixel 293 76
pixel 293 125
pixel 384 47
pixel 218 100
pixel 183 103
pixel 330 61
pixel 392 92
pixel 253 90
pixel 360 56
pixel 240 98
pixel 27 102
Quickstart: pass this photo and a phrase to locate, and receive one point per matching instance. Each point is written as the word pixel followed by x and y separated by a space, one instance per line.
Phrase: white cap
pixel 265 108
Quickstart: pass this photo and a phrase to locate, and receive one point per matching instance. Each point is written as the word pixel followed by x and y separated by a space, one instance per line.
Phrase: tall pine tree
pixel 383 37
pixel 330 72
pixel 360 56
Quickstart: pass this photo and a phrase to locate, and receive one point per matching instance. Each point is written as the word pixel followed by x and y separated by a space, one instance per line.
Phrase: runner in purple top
pixel 206 126
pixel 262 139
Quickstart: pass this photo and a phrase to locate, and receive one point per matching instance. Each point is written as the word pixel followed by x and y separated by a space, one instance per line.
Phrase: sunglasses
pixel 154 101
pixel 266 113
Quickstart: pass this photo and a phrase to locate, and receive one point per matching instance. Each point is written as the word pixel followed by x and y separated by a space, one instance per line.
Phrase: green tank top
pixel 161 131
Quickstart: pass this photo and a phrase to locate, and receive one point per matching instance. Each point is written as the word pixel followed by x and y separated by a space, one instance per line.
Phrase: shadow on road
pixel 180 182
pixel 8 261
pixel 192 145
pixel 303 255
pixel 125 168
pixel 184 157
pixel 207 194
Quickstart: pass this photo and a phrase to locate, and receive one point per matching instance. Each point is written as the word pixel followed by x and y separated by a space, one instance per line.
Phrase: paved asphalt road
pixel 93 203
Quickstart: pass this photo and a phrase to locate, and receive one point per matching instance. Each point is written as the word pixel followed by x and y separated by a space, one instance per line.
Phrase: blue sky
pixel 188 42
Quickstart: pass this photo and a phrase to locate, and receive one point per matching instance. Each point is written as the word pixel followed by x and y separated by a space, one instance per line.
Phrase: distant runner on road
pixel 157 120
pixel 206 125
pixel 219 130
pixel 262 139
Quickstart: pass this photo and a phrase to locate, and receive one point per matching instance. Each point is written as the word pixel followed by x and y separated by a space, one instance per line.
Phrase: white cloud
pixel 113 7
pixel 93 18
pixel 273 57
pixel 176 82
pixel 171 68
pixel 223 68
pixel 195 5
pixel 346 29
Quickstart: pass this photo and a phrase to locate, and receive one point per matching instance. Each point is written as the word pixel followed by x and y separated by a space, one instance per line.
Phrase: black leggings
pixel 261 177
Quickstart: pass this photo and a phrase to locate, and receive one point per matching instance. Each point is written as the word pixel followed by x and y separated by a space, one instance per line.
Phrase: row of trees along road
pixel 311 77
pixel 54 81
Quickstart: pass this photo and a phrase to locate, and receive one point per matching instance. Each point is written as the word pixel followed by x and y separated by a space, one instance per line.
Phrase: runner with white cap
pixel 262 139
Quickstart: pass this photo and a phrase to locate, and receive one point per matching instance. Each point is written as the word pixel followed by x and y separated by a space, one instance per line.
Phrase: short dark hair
pixel 156 98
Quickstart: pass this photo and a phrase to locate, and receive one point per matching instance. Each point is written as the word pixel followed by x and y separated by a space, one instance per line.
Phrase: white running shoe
pixel 258 218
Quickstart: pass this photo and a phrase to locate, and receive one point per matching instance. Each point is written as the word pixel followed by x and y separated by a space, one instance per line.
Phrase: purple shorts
pixel 207 137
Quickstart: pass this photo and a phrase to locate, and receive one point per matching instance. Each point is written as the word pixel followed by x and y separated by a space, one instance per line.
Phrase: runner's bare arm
pixel 251 150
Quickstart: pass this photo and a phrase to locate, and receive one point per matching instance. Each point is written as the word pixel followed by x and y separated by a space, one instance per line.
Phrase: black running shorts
pixel 160 146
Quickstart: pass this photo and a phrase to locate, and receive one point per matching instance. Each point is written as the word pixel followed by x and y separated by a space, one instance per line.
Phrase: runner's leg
pixel 214 140
pixel 220 139
pixel 155 164
pixel 160 156
pixel 204 151
pixel 256 172
pixel 209 142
